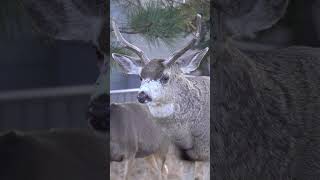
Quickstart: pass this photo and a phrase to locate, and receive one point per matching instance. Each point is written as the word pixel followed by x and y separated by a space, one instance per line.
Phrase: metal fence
pixel 63 107
pixel 124 95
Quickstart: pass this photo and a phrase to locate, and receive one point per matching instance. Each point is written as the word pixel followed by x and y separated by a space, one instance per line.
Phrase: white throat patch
pixel 160 110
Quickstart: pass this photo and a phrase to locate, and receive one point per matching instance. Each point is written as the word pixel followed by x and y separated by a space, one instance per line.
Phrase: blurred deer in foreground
pixel 133 134
pixel 265 115
pixel 180 104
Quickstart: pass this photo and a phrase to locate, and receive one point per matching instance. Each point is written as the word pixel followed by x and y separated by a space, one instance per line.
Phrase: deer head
pixel 159 77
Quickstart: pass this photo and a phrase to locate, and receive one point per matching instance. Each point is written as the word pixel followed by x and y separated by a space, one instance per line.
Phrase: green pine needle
pixel 155 22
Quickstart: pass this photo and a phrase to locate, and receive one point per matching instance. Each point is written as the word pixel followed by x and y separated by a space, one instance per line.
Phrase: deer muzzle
pixel 143 97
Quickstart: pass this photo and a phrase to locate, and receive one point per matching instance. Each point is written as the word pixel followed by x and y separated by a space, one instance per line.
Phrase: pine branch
pixel 155 22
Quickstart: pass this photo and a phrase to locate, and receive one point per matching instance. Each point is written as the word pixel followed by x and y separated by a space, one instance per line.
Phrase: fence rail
pixel 123 95
pixel 46 93
pixel 61 107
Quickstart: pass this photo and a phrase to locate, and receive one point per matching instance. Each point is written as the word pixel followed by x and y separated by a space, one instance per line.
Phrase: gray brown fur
pixel 153 70
pixel 265 122
pixel 189 126
pixel 266 114
pixel 133 133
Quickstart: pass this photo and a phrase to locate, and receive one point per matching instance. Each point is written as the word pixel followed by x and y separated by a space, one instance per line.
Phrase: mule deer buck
pixel 179 103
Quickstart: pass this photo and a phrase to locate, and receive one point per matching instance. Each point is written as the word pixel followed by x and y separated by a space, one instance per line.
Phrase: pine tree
pixel 165 20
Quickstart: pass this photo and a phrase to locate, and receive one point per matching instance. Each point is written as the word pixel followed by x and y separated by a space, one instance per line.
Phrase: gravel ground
pixel 177 169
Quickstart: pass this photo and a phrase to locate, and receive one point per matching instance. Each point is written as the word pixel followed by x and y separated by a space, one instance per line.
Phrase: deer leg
pixel 164 168
pixel 164 172
pixel 154 166
pixel 127 167
pixel 198 170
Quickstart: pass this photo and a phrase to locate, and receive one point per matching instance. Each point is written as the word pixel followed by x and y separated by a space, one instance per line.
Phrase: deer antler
pixel 180 52
pixel 128 45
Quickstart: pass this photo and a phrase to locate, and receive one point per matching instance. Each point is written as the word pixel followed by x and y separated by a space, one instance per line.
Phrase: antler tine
pixel 196 37
pixel 128 45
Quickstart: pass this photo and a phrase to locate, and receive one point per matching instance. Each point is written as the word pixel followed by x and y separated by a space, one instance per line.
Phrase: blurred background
pixel 45 86
pixel 44 83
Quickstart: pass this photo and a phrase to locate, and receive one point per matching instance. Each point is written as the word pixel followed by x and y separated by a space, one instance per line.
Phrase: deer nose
pixel 143 97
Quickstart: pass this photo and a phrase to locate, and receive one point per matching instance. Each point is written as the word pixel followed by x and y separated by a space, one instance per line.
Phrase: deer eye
pixel 164 79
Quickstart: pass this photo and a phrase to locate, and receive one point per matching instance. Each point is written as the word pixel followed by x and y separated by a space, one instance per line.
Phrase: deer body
pixel 188 125
pixel 133 134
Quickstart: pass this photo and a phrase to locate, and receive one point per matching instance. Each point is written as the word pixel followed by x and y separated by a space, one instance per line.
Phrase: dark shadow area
pixel 45 83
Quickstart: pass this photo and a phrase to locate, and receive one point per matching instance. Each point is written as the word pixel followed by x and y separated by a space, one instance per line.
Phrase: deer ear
pixel 191 62
pixel 130 65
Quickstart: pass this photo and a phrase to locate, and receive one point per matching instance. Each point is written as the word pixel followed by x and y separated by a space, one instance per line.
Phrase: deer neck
pixel 188 99
pixel 161 110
